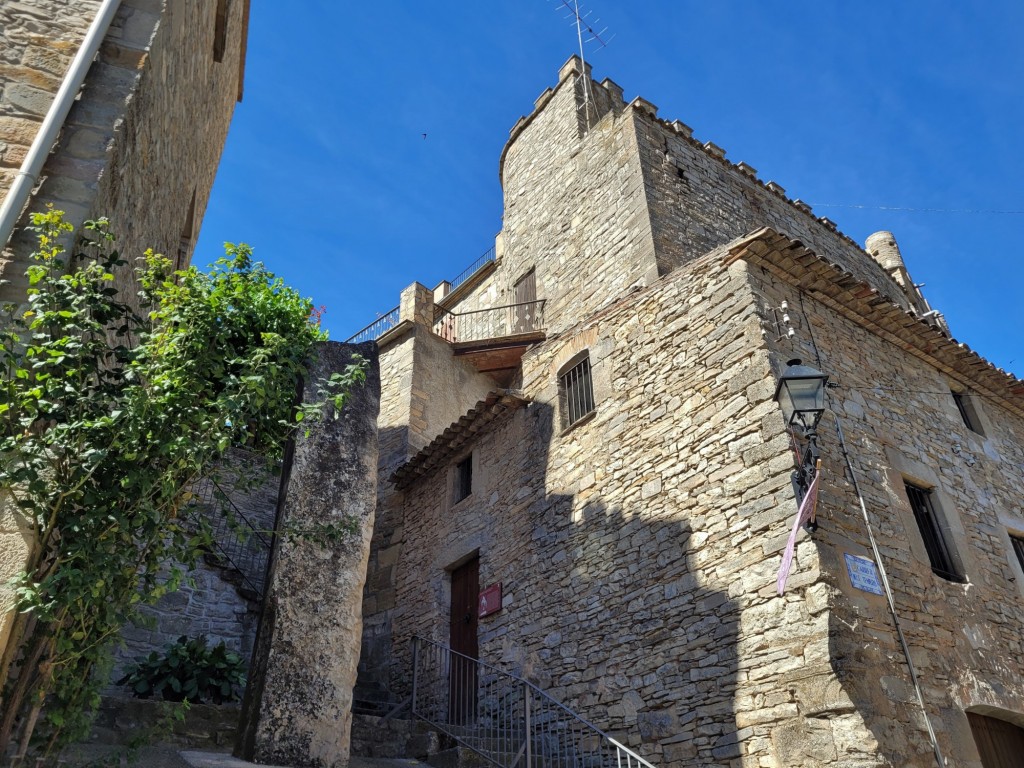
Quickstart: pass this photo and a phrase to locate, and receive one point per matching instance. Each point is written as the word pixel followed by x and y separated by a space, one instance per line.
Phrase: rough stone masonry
pixel 637 549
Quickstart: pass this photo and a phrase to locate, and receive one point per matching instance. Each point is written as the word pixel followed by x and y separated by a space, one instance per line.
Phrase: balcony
pixel 493 339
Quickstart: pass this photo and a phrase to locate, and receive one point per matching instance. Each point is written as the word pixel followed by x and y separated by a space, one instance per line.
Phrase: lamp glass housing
pixel 801 395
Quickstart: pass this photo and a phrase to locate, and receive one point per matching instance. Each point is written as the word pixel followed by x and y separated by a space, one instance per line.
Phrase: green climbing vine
pixel 110 410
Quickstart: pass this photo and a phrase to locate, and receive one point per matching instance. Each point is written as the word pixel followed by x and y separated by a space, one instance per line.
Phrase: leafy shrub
pixel 190 671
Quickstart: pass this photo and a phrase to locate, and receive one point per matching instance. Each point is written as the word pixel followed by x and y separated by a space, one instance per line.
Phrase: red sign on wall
pixel 490 600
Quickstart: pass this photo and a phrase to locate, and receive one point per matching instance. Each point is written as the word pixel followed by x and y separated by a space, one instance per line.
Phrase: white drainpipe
pixel 58 112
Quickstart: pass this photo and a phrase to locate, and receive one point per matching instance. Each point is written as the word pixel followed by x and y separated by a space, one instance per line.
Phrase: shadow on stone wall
pixel 376 662
pixel 642 647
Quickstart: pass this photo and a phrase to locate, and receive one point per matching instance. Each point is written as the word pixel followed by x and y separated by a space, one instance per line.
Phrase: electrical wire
pixel 971 393
pixel 907 209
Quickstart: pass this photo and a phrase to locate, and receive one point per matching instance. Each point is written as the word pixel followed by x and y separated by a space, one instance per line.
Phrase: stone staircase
pixel 473 715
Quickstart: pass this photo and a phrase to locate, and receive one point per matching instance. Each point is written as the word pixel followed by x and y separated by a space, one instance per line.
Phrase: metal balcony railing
pixel 389 320
pixel 376 329
pixel 506 720
pixel 492 323
pixel 472 269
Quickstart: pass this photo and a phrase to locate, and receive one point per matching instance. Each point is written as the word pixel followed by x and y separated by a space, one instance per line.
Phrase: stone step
pixel 459 757
pixel 377 737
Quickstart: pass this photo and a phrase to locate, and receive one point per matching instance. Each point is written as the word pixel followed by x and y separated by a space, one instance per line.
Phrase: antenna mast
pixel 580 20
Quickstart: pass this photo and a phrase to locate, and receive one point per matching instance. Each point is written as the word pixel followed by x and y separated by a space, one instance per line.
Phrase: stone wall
pixel 37 42
pixel 637 551
pixel 298 705
pixel 427 390
pixel 220 597
pixel 599 206
pixel 574 204
pixel 700 201
pixel 208 603
pixel 901 423
pixel 16 541
pixel 142 142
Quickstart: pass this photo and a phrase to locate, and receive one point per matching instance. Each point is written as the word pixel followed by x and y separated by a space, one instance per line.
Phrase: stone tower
pixel 587 424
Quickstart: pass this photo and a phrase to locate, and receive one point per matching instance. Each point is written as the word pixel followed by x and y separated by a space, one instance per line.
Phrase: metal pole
pixel 415 669
pixel 527 729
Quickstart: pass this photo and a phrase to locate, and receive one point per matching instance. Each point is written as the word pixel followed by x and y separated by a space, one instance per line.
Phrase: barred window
pixel 941 555
pixel 576 392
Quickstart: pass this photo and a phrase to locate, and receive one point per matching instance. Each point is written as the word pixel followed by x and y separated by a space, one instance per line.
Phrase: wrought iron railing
pixel 239 542
pixel 472 269
pixel 491 323
pixel 376 329
pixel 506 720
pixel 389 320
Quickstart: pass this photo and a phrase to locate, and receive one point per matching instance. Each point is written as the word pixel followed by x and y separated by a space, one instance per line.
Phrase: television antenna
pixel 583 23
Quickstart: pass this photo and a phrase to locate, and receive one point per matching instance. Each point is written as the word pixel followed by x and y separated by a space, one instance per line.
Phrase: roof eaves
pixel 829 283
pixel 483 416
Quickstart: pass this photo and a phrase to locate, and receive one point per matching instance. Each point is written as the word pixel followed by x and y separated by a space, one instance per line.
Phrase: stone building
pixel 585 430
pixel 138 141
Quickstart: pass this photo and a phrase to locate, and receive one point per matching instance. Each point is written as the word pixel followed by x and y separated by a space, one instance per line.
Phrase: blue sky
pixel 915 104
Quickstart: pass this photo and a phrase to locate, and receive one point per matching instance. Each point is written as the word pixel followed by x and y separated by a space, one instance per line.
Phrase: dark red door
pixel 462 688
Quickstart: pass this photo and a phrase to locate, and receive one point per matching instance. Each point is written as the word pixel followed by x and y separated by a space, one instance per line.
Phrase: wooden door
pixel 463 641
pixel 1000 744
pixel 524 298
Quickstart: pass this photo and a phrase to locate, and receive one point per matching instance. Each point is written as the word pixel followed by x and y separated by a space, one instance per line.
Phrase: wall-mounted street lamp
pixel 801 395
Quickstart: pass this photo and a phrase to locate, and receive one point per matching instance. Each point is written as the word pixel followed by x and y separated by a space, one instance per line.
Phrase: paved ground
pixel 175 757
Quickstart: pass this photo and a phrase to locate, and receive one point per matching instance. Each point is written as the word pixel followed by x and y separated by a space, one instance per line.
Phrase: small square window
pixel 965 404
pixel 943 559
pixel 464 478
pixel 576 392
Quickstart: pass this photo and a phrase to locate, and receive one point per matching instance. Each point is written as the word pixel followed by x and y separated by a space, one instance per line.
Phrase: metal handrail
pixel 247 554
pixel 504 718
pixel 472 269
pixel 377 328
pixel 490 322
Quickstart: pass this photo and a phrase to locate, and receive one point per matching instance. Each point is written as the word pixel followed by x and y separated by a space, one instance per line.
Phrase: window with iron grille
pixel 940 553
pixel 576 392
pixel 464 478
pixel 1018 548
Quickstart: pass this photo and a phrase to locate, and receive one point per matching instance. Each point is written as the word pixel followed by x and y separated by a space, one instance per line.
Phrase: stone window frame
pixel 220 31
pixel 931 524
pixel 902 470
pixel 454 499
pixel 464 478
pixel 564 371
pixel 968 407
pixel 1013 528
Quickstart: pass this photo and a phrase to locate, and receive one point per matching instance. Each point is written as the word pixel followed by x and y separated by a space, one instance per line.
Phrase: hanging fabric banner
pixel 803 515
